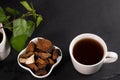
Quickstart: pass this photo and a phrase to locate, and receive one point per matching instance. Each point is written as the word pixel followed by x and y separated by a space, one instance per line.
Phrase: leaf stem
pixel 26 14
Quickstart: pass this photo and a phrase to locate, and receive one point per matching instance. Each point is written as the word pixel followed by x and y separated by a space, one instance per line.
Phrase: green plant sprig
pixel 21 27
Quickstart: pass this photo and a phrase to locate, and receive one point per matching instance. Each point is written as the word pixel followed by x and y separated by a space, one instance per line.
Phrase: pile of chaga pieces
pixel 40 56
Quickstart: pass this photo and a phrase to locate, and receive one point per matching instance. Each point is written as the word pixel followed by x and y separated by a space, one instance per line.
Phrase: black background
pixel 63 20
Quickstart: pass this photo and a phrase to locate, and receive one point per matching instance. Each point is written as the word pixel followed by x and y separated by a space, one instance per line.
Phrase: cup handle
pixel 111 57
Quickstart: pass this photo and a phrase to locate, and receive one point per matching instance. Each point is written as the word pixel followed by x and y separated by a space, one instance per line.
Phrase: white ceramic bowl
pixel 53 66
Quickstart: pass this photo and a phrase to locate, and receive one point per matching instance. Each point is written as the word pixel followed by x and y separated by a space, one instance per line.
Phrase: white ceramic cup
pixel 108 56
pixel 4 45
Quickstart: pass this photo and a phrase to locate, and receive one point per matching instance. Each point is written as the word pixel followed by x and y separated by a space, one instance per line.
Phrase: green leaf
pixel 26 5
pixel 12 11
pixel 19 27
pixel 22 29
pixel 18 42
pixel 31 4
pixel 30 28
pixel 2 15
pixel 39 19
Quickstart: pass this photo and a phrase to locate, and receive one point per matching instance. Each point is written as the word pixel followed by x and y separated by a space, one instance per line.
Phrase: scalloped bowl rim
pixel 53 66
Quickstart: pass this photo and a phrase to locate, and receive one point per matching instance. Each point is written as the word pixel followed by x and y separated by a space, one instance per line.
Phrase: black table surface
pixel 63 20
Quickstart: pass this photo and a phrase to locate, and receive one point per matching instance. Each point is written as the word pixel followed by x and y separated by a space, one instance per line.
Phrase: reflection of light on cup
pixel 4 45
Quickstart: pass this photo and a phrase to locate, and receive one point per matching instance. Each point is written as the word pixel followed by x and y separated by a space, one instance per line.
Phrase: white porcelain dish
pixel 53 66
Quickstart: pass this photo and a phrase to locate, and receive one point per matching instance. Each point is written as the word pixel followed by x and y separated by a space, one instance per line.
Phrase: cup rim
pixel 88 35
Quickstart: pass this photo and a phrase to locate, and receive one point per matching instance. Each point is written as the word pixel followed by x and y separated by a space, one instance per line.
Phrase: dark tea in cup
pixel 88 51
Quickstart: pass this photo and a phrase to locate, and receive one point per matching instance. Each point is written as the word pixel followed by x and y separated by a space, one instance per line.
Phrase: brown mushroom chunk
pixel 26 55
pixel 55 54
pixel 43 55
pixel 30 47
pixel 51 61
pixel 41 72
pixel 32 66
pixel 44 45
pixel 41 63
pixel 28 60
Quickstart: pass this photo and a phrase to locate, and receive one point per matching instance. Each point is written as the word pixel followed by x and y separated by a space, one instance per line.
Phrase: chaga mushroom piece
pixel 55 54
pixel 51 61
pixel 32 66
pixel 22 60
pixel 41 72
pixel 30 47
pixel 41 63
pixel 26 55
pixel 43 55
pixel 44 45
pixel 28 60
